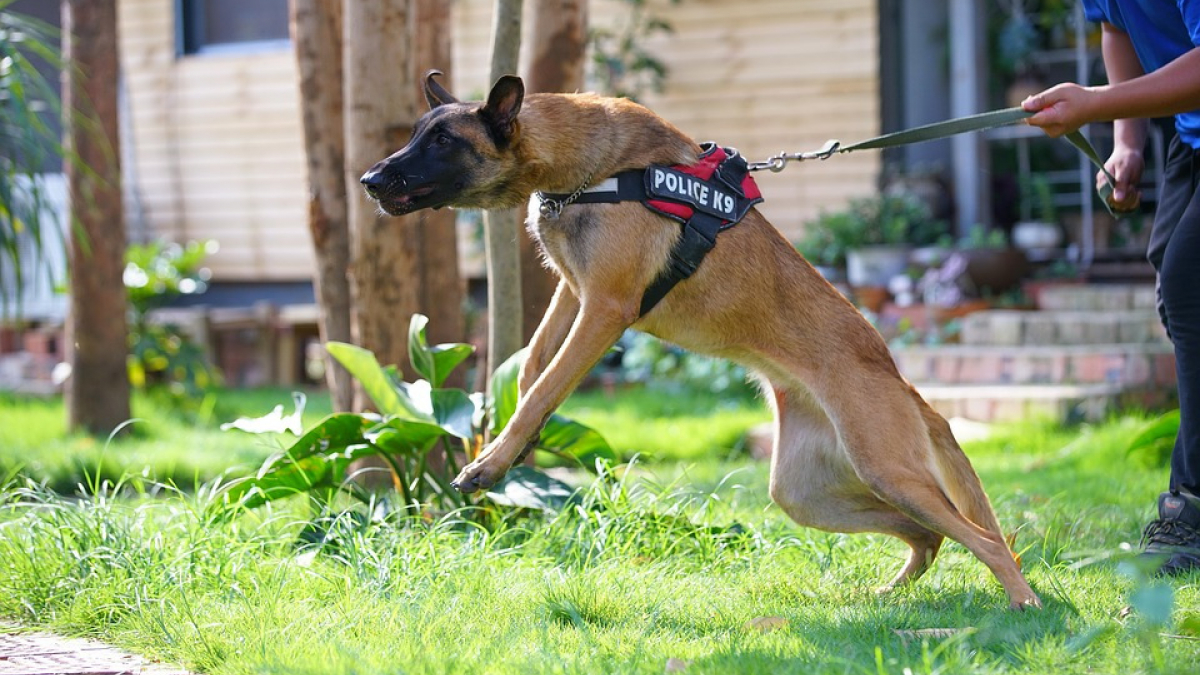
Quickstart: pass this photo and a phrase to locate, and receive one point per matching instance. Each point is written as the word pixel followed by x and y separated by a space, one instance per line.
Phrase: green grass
pixel 665 425
pixel 188 450
pixel 672 561
pixel 162 444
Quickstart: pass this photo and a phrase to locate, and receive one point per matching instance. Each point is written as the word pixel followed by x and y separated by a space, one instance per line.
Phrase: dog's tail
pixel 959 480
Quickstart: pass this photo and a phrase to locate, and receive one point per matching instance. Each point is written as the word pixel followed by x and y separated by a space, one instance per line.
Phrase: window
pixel 231 25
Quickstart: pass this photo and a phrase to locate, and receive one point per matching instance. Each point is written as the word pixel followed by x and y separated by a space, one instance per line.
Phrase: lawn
pixel 665 560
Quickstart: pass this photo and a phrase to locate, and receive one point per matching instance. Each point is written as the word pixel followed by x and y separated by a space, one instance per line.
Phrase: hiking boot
pixel 1174 538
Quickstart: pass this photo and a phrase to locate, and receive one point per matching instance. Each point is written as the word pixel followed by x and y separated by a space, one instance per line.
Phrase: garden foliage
pixel 425 432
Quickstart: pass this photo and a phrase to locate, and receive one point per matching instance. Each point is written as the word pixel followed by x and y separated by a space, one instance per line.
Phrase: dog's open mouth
pixel 400 204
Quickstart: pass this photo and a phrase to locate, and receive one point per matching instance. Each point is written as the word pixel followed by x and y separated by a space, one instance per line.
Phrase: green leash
pixel 930 132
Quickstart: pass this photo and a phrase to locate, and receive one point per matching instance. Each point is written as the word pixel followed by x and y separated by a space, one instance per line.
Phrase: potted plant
pixel 1041 231
pixel 992 265
pixel 872 236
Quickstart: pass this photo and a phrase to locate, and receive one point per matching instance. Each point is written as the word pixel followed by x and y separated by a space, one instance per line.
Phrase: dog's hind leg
pixel 901 469
pixel 814 484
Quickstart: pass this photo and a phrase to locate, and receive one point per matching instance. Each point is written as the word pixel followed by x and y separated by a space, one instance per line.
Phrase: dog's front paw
pixel 478 475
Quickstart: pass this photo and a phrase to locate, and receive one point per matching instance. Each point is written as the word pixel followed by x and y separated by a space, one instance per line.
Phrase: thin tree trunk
pixel 317 36
pixel 502 227
pixel 442 286
pixel 97 394
pixel 558 38
pixel 380 105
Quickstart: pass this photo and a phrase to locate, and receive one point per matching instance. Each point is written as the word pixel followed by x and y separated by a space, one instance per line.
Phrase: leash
pixel 937 130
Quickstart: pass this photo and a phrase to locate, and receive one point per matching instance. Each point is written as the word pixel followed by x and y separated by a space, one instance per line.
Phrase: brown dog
pixel 856 447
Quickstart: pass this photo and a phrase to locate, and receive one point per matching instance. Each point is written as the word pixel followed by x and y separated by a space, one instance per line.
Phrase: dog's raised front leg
pixel 549 336
pixel 597 326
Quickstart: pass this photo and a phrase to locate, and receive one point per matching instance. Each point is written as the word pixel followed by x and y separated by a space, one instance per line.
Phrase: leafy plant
pixel 424 432
pixel 646 358
pixel 980 237
pixel 162 355
pixel 621 66
pixel 1037 192
pixel 28 101
pixel 1153 445
pixel 878 220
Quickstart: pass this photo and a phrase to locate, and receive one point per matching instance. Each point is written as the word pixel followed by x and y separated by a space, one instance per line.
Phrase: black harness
pixel 706 198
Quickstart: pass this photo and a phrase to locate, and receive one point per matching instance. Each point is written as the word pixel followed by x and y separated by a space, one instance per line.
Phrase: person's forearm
pixel 1121 65
pixel 1172 89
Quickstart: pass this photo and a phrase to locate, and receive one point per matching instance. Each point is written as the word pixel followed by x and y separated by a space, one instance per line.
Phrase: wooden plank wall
pixel 218 149
pixel 217 144
pixel 759 75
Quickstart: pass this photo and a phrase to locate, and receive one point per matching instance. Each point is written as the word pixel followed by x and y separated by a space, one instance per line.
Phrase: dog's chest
pixel 563 240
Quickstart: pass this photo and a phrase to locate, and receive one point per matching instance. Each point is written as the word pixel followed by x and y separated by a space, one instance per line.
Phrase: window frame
pixel 185 19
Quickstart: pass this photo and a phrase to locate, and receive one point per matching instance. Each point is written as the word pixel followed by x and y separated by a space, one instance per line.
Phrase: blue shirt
pixel 1161 31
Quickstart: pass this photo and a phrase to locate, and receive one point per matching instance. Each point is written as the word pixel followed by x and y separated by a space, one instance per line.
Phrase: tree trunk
pixel 442 286
pixel 380 105
pixel 317 35
pixel 503 227
pixel 97 394
pixel 558 30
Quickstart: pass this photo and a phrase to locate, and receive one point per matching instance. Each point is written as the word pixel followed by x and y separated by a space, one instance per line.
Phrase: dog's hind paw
pixel 1022 604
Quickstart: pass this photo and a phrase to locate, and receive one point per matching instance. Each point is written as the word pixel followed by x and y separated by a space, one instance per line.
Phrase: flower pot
pixel 995 269
pixel 1036 235
pixel 876 265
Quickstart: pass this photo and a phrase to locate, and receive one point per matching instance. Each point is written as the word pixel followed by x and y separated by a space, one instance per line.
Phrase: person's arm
pixel 1172 89
pixel 1127 162
pixel 1067 107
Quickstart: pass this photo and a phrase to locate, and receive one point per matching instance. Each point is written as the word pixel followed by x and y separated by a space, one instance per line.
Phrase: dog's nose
pixel 373 182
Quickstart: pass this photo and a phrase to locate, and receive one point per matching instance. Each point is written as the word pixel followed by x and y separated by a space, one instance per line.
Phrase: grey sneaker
pixel 1174 539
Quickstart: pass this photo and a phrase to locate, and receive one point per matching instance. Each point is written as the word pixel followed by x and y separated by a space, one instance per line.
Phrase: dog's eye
pixel 442 139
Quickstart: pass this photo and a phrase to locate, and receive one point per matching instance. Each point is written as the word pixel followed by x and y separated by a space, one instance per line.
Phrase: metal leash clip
pixel 776 163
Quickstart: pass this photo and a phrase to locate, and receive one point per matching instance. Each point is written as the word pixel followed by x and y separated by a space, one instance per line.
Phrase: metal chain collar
pixel 551 209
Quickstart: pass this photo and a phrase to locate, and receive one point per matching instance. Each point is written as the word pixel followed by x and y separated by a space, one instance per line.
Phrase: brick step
pixel 1146 365
pixel 1061 403
pixel 1062 327
pixel 1097 297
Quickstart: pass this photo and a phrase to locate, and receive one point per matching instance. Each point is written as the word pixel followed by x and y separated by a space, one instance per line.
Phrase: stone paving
pixel 44 654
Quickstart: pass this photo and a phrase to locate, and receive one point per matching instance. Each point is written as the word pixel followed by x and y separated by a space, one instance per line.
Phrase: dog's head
pixel 460 154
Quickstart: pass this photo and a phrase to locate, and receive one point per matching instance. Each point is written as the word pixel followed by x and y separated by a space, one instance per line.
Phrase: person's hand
pixel 1060 109
pixel 1126 165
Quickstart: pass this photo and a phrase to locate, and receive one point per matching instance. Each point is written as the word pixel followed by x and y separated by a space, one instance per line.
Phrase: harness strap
pixel 722 170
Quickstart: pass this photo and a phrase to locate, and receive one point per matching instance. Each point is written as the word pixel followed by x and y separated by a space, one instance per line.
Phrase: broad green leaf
pixel 375 380
pixel 433 363
pixel 418 348
pixel 1154 602
pixel 274 422
pixel 1165 427
pixel 1189 625
pixel 451 409
pixel 303 466
pixel 528 488
pixel 566 436
pixel 448 356
pixel 334 433
pixel 405 437
pixel 316 472
pixel 503 389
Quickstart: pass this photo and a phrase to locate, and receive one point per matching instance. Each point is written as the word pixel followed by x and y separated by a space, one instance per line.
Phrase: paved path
pixel 43 654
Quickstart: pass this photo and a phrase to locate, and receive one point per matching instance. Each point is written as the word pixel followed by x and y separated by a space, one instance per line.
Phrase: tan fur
pixel 856 449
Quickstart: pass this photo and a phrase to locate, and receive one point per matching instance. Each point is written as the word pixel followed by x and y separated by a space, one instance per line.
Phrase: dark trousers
pixel 1174 251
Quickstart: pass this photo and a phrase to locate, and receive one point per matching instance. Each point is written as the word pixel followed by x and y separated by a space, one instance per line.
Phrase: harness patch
pixel 707 197
pixel 668 183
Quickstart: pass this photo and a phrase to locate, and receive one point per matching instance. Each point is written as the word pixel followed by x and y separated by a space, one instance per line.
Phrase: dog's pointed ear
pixel 503 105
pixel 436 94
